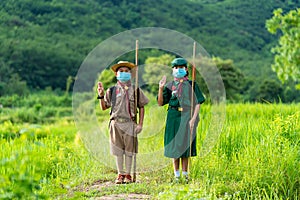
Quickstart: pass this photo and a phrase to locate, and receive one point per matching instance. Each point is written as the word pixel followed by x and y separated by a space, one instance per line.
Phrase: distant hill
pixel 45 41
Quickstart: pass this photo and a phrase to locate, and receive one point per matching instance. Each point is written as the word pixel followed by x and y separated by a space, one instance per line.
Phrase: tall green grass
pixel 40 107
pixel 42 161
pixel 256 156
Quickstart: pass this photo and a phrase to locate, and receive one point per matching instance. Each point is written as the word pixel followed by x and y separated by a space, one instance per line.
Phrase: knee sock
pixel 120 160
pixel 128 163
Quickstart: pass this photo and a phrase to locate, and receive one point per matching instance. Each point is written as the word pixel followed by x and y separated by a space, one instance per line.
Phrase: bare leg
pixel 185 164
pixel 176 163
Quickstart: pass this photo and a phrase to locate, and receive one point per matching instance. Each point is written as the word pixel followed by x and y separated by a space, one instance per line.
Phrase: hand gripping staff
pixel 135 106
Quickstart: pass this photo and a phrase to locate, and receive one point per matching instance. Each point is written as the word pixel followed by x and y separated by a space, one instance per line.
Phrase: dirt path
pixel 124 196
pixel 98 185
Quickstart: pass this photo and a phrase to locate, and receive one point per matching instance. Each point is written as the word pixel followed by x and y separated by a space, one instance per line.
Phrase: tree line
pixel 43 43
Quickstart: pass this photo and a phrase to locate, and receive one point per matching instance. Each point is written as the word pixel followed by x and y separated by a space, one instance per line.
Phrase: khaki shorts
pixel 122 140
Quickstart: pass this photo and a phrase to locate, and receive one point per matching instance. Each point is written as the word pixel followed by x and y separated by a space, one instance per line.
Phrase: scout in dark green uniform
pixel 177 94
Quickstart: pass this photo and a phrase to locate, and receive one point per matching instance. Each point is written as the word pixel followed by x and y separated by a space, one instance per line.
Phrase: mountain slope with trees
pixel 44 42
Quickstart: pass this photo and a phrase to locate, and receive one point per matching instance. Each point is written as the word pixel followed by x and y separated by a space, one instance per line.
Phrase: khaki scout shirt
pixel 121 107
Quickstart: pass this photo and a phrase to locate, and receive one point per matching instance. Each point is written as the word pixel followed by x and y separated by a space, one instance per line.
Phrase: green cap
pixel 179 62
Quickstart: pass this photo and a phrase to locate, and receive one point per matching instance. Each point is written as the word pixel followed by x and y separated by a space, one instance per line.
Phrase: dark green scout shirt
pixel 177 131
pixel 171 97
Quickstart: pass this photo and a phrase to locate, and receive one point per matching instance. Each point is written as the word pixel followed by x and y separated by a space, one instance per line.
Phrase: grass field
pixel 255 156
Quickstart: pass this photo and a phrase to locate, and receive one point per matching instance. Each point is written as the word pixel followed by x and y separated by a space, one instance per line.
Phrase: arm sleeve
pixel 167 94
pixel 199 95
pixel 143 100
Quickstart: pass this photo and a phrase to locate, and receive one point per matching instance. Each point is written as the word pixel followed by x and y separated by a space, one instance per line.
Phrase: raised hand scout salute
pixel 121 99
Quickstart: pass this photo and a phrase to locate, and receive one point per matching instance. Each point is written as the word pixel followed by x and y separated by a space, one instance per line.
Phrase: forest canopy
pixel 43 43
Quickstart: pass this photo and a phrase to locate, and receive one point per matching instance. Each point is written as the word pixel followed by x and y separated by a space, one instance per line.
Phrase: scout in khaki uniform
pixel 180 125
pixel 123 129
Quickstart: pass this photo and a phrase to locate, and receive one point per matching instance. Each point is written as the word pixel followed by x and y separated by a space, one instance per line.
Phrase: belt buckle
pixel 180 109
pixel 122 120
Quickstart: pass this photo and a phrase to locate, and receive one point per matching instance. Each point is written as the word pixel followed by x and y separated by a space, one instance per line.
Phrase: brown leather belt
pixel 122 120
pixel 180 109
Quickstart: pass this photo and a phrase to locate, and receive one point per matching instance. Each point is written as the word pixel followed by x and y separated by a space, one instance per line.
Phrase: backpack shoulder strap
pixel 112 93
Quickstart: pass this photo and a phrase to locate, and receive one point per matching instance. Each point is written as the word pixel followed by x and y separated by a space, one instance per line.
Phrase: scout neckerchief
pixel 178 90
pixel 125 87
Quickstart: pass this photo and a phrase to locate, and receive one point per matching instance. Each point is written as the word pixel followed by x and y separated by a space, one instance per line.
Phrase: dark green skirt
pixel 177 135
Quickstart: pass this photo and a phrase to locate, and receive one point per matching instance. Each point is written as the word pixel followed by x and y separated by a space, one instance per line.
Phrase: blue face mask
pixel 123 76
pixel 179 73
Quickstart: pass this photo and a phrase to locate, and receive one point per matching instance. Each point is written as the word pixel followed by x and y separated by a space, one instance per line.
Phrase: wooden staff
pixel 135 106
pixel 193 79
pixel 192 97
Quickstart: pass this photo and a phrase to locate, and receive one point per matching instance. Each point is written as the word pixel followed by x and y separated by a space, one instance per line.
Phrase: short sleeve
pixel 199 95
pixel 167 94
pixel 143 100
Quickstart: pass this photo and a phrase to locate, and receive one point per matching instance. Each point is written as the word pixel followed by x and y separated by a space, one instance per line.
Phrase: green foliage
pixel 40 107
pixel 43 161
pixel 258 156
pixel 287 52
pixel 10 82
pixel 21 166
pixel 44 42
pixel 155 68
pixel 290 93
pixel 108 78
pixel 270 91
pixel 232 77
pixel 255 157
